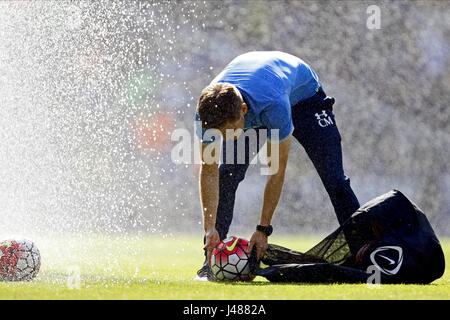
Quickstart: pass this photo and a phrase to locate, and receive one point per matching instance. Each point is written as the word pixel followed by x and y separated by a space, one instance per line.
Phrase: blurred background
pixel 90 93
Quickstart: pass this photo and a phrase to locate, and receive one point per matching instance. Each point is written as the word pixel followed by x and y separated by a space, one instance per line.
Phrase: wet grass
pixel 163 268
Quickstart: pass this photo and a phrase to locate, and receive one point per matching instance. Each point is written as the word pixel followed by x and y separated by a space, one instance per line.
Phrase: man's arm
pixel 209 198
pixel 272 194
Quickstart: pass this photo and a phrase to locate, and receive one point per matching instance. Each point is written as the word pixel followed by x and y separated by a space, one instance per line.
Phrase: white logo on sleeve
pixel 323 119
pixel 387 259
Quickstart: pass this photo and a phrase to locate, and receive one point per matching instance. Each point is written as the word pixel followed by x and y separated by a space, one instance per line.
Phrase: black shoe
pixel 205 273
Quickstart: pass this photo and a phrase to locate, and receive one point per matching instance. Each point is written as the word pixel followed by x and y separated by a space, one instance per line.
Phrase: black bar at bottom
pixel 223 309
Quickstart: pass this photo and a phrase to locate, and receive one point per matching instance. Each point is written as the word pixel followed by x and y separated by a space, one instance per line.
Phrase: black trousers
pixel 315 128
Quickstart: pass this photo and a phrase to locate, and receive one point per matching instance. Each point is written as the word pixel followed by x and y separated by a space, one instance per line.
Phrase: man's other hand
pixel 259 240
pixel 212 239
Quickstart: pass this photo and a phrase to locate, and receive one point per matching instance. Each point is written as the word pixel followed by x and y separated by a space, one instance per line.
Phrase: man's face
pixel 235 126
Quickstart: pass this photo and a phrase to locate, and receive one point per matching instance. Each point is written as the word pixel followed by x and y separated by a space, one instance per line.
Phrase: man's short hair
pixel 219 103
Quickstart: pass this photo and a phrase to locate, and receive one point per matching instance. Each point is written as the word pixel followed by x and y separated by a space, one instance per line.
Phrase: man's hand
pixel 258 239
pixel 212 239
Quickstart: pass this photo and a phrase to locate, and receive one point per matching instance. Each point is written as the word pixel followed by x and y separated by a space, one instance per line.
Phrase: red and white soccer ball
pixel 20 260
pixel 229 260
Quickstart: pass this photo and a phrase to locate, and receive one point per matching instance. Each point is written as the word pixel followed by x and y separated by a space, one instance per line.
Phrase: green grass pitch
pixel 151 267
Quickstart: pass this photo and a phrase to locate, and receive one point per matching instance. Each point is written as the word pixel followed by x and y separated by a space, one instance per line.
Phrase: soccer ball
pixel 229 260
pixel 20 260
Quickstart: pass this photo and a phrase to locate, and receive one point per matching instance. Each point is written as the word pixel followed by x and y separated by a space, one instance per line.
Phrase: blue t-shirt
pixel 270 83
